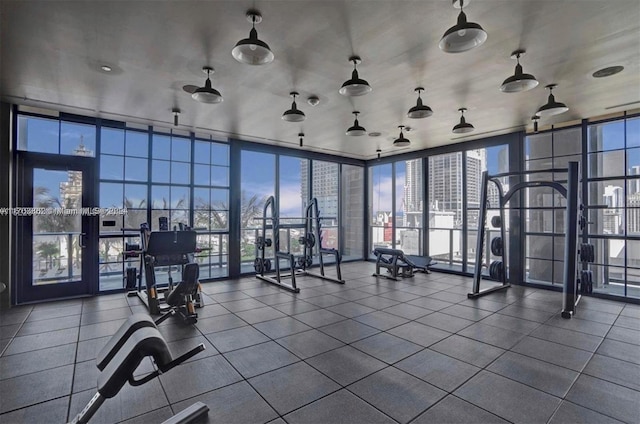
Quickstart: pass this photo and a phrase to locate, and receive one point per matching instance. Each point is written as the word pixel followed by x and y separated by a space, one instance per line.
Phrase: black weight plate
pixel 258 266
pixel 496 221
pixel 260 242
pixel 496 246
pixel 267 265
pixel 592 253
pixel 267 242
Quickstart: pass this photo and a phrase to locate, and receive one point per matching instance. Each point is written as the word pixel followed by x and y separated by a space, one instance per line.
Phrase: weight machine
pixel 298 265
pixel 573 219
pixel 168 249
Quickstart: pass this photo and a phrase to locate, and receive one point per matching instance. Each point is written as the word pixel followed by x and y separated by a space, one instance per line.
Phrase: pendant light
pixel 535 119
pixel 419 110
pixel 207 94
pixel 301 135
pixel 252 50
pixel 519 81
pixel 462 36
pixel 401 141
pixel 293 114
pixel 355 86
pixel 552 107
pixel 378 152
pixel 176 114
pixel 463 127
pixel 356 129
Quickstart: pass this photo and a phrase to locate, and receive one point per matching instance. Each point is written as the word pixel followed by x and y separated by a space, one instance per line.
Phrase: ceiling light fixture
pixel 519 81
pixel 607 72
pixel 552 107
pixel 356 129
pixel 419 110
pixel 378 151
pixel 313 100
pixel 294 114
pixel 301 135
pixel 355 86
pixel 401 141
pixel 463 127
pixel 252 50
pixel 462 36
pixel 535 119
pixel 106 68
pixel 207 94
pixel 176 113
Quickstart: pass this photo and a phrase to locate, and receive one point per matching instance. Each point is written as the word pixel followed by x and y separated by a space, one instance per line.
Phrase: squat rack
pixel 570 296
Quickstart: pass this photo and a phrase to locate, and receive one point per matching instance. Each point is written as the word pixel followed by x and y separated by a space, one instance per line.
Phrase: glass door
pixel 56 228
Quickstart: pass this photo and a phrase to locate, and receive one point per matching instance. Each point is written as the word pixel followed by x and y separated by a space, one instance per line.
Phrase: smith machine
pixel 574 220
pixel 298 265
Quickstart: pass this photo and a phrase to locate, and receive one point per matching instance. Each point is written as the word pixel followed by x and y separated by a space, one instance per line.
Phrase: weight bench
pixel 136 339
pixel 399 264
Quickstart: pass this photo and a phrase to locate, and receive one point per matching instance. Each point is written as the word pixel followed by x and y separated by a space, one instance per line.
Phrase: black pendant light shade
pixel 252 50
pixel 176 114
pixel 463 35
pixel 463 127
pixel 419 110
pixel 519 81
pixel 355 86
pixel 552 107
pixel 356 129
pixel 301 135
pixel 535 119
pixel 207 94
pixel 401 141
pixel 378 152
pixel 294 114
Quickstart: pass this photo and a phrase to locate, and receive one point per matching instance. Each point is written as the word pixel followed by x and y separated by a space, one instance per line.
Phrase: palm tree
pixel 48 250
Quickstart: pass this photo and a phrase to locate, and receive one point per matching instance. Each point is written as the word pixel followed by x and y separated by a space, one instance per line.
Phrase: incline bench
pixel 399 264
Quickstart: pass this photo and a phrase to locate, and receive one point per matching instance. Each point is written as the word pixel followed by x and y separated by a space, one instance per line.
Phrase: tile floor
pixel 371 351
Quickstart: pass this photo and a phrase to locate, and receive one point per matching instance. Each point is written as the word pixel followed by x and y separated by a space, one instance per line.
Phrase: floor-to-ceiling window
pixel 613 162
pixel 324 186
pixel 353 212
pixel 380 207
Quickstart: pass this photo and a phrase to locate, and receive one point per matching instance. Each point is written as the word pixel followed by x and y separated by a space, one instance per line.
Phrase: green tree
pixel 48 250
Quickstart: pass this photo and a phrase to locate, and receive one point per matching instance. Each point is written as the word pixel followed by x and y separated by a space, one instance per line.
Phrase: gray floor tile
pixel 420 290
pixel 8 331
pixel 229 296
pixel 53 411
pixel 541 375
pixel 453 410
pixel 400 296
pixel 3 344
pixel 377 302
pixel 106 315
pixel 211 310
pixel 15 316
pixel 511 323
pixel 526 313
pixel 350 309
pixel 296 307
pixel 276 298
pixel 173 330
pixel 219 323
pixel 281 327
pixel 495 336
pixel 242 305
pixel 263 290
pixel 197 377
pixel 620 350
pixel 378 288
pixel 89 349
pixel 258 359
pixel 445 322
pixel 309 343
pixel 319 318
pixel 255 316
pixel 484 304
pixel 601 305
pixel 85 376
pixel 628 322
pixel 419 333
pixel 352 294
pixel 52 313
pixel 381 320
pixel 130 402
pixel 156 416
pixel 508 399
pixel 466 312
pixel 570 413
pixel 626 335
pixel 387 348
pixel 440 370
pixel 102 303
pixel 581 325
pixel 237 338
pixel 180 347
pixel 397 394
pixel 631 311
pixel 37 360
pixel 41 341
pixel 430 303
pixel 607 398
pixel 349 331
pixel 351 411
pixel 407 311
pixel 614 370
pixel 449 297
pixel 293 386
pixel 597 316
pixel 235 404
pixel 27 390
pixel 564 356
pixel 567 337
pixel 326 300
pixel 467 350
pixel 346 364
pixel 93 331
pixel 45 326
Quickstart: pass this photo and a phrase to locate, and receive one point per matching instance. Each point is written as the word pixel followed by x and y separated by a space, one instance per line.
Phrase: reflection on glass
pixel 38 134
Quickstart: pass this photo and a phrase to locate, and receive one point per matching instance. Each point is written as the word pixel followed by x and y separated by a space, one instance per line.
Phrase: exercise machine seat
pixel 188 285
pixel 130 326
pixel 146 341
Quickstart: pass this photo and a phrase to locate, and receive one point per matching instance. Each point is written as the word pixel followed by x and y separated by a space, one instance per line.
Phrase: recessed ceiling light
pixel 106 68
pixel 608 71
pixel 313 100
pixel 374 134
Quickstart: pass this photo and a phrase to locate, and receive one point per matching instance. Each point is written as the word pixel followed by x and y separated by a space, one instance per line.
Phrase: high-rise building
pixel 324 183
pixel 413 194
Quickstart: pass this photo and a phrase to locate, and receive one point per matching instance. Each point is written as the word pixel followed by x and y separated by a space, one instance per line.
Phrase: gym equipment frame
pixel 570 296
pixel 399 264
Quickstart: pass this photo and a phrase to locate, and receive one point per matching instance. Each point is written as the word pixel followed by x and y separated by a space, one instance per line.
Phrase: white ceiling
pixel 51 52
